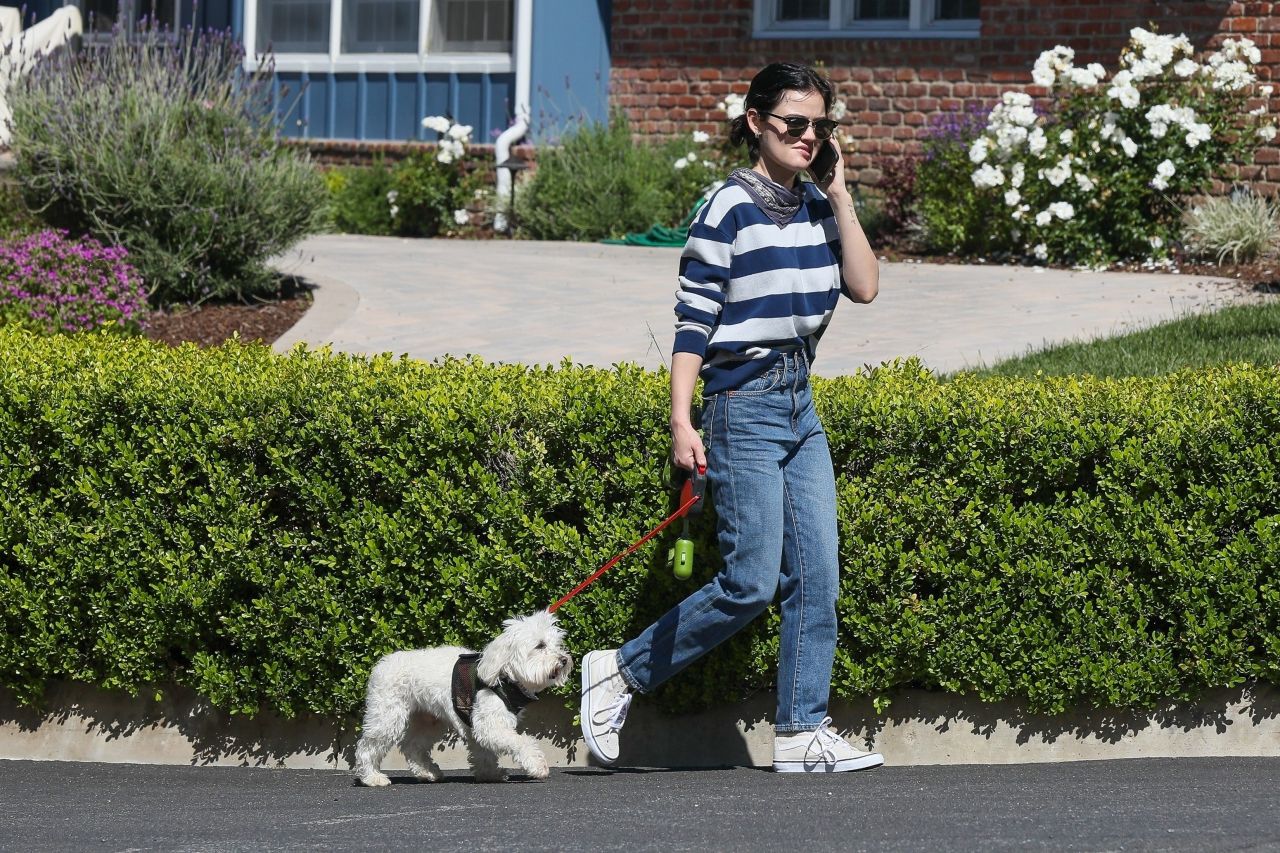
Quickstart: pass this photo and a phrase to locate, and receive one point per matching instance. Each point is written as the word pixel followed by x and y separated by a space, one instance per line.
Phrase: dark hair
pixel 766 91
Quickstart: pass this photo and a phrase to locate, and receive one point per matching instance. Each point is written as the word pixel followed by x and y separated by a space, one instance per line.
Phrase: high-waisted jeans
pixel 769 469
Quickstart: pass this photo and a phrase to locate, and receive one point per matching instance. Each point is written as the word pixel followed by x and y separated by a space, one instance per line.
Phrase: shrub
pixel 261 528
pixel 51 284
pixel 1243 226
pixel 425 194
pixel 1104 174
pixel 360 198
pixel 950 217
pixel 601 183
pixel 165 147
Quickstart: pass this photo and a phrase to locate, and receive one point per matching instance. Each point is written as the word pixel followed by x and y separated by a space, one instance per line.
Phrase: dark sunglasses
pixel 797 125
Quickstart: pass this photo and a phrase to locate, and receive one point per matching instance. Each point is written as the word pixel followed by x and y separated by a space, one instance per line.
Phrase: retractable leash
pixel 690 495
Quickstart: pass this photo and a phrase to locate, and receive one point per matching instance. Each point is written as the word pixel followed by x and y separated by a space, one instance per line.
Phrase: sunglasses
pixel 797 125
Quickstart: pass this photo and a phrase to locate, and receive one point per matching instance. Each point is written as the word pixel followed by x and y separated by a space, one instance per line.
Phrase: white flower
pixel 978 150
pixel 1266 91
pixel 1066 136
pixel 988 176
pixel 439 124
pixel 392 195
pixel 1197 133
pixel 1156 242
pixel 460 132
pixel 701 136
pixel 1130 147
pixel 733 106
pixel 1160 182
pixel 1016 174
pixel 1057 175
pixel 1020 212
pixel 1043 218
pixel 1012 197
pixel 1037 141
pixel 1062 209
pixel 1186 68
pixel 461 217
pixel 1267 132
pixel 1085 183
pixel 394 211
pixel 450 150
pixel 681 163
pixel 1166 168
pixel 838 110
pixel 1041 251
pixel 1050 64
pixel 1257 111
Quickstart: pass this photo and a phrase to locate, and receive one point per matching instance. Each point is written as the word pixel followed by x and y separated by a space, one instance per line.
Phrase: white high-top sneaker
pixel 605 700
pixel 820 751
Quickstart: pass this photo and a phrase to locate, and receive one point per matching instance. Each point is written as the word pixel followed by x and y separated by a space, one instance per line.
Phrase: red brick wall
pixel 673 60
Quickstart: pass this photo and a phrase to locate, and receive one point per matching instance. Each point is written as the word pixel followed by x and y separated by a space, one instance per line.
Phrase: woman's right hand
pixel 686 447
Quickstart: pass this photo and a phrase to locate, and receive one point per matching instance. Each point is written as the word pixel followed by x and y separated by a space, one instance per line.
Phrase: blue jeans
pixel 769 469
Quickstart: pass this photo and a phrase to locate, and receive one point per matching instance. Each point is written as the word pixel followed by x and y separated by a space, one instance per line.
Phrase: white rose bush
pixel 431 189
pixel 1104 171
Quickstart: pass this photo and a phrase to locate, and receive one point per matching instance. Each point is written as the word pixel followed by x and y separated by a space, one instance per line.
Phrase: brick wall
pixel 673 60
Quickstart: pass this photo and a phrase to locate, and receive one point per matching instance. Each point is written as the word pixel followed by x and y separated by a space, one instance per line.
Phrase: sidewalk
pixel 538 302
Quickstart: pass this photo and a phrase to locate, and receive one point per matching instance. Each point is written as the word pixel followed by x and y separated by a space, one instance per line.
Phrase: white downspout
pixel 524 73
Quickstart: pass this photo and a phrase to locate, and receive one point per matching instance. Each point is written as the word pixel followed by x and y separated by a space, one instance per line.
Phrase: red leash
pixel 692 498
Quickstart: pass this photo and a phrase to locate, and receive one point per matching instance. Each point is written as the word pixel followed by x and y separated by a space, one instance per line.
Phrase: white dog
pixel 480 696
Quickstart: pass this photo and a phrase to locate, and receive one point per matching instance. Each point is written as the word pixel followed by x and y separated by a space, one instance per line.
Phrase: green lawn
pixel 1238 333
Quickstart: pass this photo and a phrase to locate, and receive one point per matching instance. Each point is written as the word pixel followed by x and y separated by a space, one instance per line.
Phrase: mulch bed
pixel 211 324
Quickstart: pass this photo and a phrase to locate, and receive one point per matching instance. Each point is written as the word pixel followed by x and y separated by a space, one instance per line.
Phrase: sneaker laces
pixel 825 740
pixel 615 713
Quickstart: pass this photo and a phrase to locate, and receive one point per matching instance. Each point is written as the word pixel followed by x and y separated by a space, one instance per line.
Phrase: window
pixel 293 26
pixel 472 25
pixel 102 16
pixel 872 18
pixel 386 35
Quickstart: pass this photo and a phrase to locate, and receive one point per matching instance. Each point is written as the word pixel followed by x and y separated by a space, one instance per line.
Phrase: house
pixel 361 71
pixel 354 73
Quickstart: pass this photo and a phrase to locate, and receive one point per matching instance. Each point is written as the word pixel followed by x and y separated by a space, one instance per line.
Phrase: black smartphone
pixel 824 162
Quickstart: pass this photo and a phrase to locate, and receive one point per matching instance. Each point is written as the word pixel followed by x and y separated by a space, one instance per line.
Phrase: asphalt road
pixel 1141 804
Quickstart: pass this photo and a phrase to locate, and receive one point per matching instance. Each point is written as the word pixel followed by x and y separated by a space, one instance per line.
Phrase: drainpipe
pixel 524 72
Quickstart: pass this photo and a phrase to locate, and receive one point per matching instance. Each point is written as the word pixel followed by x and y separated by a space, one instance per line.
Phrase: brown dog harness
pixel 466 684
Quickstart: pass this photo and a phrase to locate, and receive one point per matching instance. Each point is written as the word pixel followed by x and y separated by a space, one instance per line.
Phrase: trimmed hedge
pixel 261 528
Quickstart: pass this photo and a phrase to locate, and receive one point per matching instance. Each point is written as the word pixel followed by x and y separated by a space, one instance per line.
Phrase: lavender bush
pixel 164 145
pixel 50 283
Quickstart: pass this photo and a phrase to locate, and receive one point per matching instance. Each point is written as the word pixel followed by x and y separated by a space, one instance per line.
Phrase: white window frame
pixel 922 24
pixel 335 61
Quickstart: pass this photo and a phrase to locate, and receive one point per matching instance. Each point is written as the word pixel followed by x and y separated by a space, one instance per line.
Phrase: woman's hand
pixel 686 446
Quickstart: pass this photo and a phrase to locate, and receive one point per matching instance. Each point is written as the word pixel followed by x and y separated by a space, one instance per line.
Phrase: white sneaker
pixel 605 700
pixel 820 751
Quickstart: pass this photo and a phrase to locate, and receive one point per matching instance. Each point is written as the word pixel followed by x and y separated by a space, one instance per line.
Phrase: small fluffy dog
pixel 480 696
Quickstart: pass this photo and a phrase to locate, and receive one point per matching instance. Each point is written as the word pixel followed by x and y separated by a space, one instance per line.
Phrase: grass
pixel 1234 334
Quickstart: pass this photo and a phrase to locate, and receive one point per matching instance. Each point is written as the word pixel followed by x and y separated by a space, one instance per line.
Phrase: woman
pixel 765 264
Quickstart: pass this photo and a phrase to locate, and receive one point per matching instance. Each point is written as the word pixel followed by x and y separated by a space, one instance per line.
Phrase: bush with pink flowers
pixel 52 283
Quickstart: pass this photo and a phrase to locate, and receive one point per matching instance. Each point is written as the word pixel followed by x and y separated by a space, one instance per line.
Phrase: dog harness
pixel 466 684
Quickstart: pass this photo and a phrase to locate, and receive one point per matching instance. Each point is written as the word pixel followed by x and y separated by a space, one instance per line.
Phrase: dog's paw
pixel 495 775
pixel 426 775
pixel 375 780
pixel 538 770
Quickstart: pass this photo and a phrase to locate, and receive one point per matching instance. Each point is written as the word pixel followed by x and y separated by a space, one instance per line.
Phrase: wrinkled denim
pixel 769 470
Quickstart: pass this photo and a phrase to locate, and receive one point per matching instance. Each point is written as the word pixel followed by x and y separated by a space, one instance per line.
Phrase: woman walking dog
pixel 766 261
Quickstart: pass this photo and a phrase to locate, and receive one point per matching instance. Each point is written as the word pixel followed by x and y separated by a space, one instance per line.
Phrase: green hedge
pixel 261 528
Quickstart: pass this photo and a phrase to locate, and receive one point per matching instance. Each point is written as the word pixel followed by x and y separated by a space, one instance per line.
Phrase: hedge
pixel 260 528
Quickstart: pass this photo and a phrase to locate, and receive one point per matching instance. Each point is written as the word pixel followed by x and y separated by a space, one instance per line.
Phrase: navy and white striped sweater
pixel 750 289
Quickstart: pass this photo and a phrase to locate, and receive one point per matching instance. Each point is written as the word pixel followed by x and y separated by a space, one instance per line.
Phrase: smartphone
pixel 824 162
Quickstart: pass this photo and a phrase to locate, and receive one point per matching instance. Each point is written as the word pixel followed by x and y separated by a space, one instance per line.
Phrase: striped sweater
pixel 750 289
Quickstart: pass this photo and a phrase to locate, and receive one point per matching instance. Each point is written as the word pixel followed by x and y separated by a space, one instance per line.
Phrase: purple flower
pixel 53 283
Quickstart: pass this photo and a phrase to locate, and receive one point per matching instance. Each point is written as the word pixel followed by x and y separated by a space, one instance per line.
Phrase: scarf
pixel 778 203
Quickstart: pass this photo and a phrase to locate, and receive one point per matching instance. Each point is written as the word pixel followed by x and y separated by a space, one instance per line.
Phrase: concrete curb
pixel 85 724
pixel 333 302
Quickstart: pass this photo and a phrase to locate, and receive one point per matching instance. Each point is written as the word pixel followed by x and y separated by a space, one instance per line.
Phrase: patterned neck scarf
pixel 779 203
